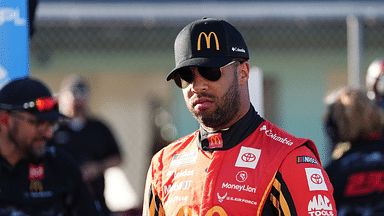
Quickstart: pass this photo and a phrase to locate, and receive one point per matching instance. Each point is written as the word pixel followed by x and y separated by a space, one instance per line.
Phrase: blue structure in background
pixel 14 51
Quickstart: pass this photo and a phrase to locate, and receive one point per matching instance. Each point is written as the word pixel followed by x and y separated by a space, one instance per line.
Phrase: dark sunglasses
pixel 185 76
pixel 41 105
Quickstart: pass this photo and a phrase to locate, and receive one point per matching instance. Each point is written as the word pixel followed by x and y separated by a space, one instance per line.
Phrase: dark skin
pixel 205 98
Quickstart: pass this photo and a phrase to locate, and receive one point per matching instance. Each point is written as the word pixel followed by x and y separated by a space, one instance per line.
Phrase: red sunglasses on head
pixel 43 104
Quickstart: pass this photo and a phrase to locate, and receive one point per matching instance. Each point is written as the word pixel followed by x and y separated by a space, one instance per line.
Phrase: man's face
pixel 214 103
pixel 29 134
pixel 73 103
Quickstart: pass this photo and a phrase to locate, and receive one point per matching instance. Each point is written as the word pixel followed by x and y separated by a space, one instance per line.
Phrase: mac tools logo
pixel 320 205
pixel 270 134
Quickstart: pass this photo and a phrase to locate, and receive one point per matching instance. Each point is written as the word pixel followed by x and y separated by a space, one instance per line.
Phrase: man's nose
pixel 199 83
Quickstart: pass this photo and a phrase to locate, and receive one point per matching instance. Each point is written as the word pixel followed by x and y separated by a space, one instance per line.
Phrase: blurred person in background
pixel 87 138
pixel 237 163
pixel 35 179
pixel 354 124
pixel 375 81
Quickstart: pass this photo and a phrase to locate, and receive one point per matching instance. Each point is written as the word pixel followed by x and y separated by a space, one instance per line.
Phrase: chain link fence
pixel 272 34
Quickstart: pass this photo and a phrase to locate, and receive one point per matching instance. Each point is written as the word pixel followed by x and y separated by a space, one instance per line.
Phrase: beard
pixel 24 147
pixel 226 109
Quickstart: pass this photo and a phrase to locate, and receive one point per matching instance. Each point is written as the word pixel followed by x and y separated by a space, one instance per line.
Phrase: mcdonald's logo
pixel 215 140
pixel 36 186
pixel 207 40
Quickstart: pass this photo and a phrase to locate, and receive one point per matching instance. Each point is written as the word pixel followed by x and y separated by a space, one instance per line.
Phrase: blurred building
pixel 303 48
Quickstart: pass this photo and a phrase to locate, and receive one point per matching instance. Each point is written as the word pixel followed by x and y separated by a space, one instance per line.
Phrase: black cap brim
pixel 52 115
pixel 213 62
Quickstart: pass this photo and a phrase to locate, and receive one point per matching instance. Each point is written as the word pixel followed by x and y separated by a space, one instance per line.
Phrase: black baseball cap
pixel 22 94
pixel 208 42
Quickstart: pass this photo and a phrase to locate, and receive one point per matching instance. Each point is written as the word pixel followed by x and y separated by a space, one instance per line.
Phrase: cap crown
pixel 209 37
pixel 209 43
pixel 23 90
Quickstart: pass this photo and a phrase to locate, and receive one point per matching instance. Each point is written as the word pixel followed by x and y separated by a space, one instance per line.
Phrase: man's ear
pixel 243 71
pixel 3 117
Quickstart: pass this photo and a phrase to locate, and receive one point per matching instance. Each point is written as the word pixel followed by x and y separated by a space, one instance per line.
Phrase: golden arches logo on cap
pixel 208 40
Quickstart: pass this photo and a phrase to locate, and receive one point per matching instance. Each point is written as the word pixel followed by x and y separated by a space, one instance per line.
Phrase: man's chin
pixel 40 152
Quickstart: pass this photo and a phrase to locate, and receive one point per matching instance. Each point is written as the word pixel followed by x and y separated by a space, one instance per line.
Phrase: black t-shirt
pixel 358 180
pixel 94 142
pixel 50 187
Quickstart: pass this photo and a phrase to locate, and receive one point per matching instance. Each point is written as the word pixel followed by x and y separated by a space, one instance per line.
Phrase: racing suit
pixel 358 178
pixel 253 168
pixel 51 186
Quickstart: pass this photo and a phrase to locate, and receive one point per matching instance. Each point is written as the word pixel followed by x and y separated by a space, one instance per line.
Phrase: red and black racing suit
pixel 254 168
pixel 358 178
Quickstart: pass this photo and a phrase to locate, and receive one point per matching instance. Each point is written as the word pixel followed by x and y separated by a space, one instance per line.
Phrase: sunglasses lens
pixel 183 77
pixel 45 104
pixel 211 74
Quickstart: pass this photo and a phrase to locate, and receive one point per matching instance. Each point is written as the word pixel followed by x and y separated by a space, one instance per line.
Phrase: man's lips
pixel 202 103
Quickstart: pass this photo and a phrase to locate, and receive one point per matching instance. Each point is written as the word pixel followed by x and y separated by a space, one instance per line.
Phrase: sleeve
pixel 153 205
pixel 79 201
pixel 302 187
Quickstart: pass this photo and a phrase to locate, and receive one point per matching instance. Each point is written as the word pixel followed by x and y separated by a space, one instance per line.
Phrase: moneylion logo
pixel 208 40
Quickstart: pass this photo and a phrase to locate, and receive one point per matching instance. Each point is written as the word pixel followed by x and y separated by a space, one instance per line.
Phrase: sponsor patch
pixel 36 172
pixel 320 205
pixel 177 186
pixel 239 188
pixel 36 175
pixel 276 137
pixel 183 173
pixel 215 141
pixel 241 176
pixel 248 157
pixel 183 159
pixel 176 199
pixel 221 198
pixel 315 179
pixel 306 159
pixel 229 198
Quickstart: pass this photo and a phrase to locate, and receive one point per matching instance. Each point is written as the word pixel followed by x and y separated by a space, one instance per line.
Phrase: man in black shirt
pixel 86 137
pixel 35 179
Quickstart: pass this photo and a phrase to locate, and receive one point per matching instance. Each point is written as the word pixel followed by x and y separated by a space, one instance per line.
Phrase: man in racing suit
pixel 35 180
pixel 237 163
